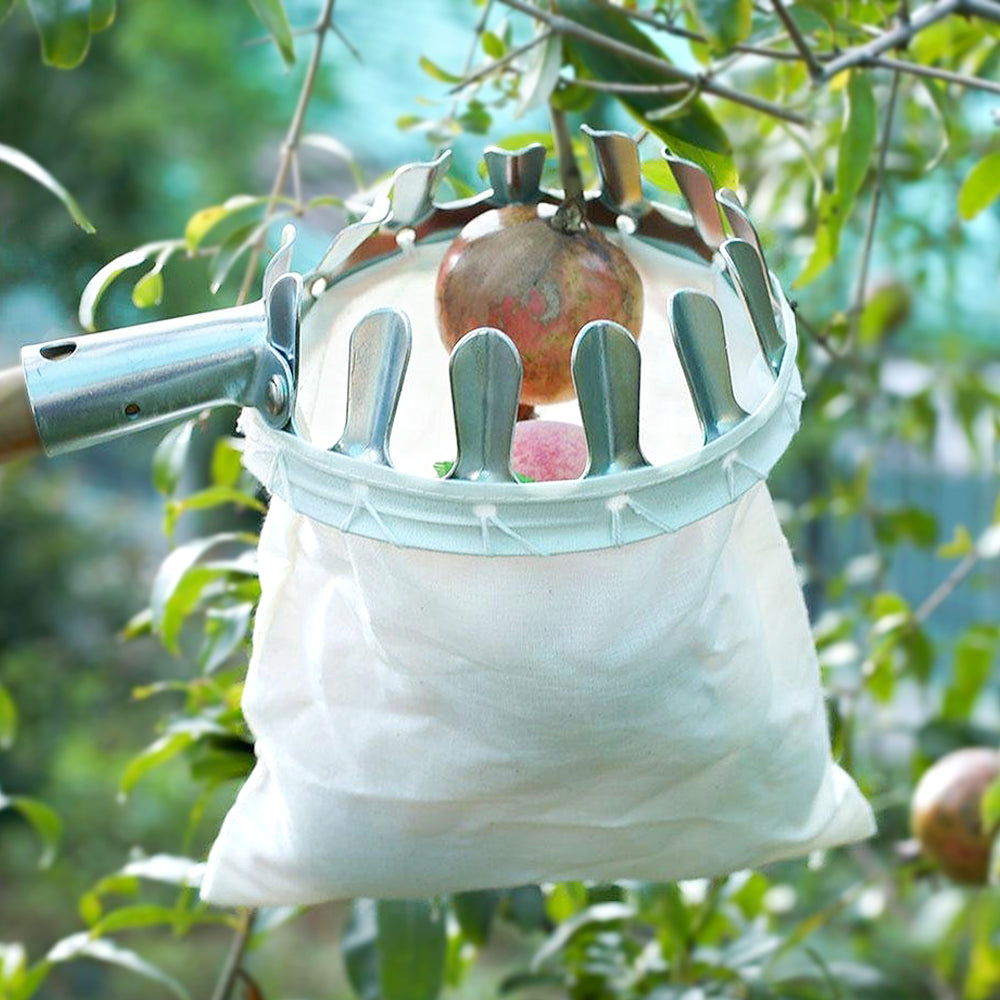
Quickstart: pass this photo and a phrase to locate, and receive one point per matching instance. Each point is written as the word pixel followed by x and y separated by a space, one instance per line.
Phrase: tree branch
pixel 505 60
pixel 893 38
pixel 574 30
pixel 290 145
pixel 814 68
pixel 234 960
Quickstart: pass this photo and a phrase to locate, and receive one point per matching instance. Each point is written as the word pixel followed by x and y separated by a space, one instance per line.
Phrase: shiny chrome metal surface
pixel 92 388
pixel 751 284
pixel 485 373
pixel 515 175
pixel 701 345
pixel 379 354
pixel 699 193
pixel 606 375
pixel 621 174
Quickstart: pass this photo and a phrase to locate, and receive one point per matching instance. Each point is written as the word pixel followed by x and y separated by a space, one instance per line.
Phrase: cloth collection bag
pixel 432 721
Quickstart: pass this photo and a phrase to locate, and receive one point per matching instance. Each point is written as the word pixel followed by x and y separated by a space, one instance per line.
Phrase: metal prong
pixel 412 191
pixel 282 310
pixel 281 262
pixel 485 373
pixel 738 219
pixel 379 353
pixel 696 186
pixel 751 285
pixel 606 375
pixel 701 346
pixel 621 175
pixel 515 174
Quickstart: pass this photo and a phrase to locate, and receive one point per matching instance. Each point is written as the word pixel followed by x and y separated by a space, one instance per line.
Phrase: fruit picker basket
pixel 474 681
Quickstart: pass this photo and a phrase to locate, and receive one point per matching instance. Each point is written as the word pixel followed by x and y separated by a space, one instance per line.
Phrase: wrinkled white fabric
pixel 429 722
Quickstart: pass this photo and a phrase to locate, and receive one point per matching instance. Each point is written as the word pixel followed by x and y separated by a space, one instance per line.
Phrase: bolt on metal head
pixel 275 395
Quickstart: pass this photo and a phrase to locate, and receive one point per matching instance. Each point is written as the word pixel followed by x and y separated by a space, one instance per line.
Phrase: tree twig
pixel 934 73
pixel 861 285
pixel 572 29
pixel 234 960
pixel 814 68
pixel 505 60
pixel 473 49
pixel 891 39
pixel 290 145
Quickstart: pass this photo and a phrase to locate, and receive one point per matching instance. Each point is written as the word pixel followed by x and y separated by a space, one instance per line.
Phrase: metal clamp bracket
pixel 90 389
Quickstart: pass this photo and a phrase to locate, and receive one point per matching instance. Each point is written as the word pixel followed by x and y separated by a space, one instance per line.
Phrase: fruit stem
pixel 570 217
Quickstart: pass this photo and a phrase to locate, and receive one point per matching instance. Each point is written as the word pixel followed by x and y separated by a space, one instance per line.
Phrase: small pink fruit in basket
pixel 521 272
pixel 546 450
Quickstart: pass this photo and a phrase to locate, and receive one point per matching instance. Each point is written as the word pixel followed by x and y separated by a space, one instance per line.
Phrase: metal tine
pixel 606 375
pixel 379 354
pixel 281 262
pixel 621 174
pixel 751 284
pixel 485 373
pixel 282 304
pixel 696 186
pixel 412 191
pixel 515 175
pixel 738 219
pixel 701 346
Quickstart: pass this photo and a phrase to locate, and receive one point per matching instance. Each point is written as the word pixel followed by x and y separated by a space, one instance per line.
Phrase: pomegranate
pixel 945 813
pixel 522 270
pixel 546 450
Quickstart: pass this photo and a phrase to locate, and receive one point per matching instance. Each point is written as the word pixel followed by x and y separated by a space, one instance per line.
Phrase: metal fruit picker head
pixel 475 681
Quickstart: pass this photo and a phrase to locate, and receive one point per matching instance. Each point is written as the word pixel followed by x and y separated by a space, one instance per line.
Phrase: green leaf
pixel 659 173
pixel 6 6
pixel 474 912
pixel 411 948
pixel 827 241
pixel 64 29
pixel 8 719
pixel 214 496
pixel 493 45
pixel 600 915
pixel 975 653
pixel 214 224
pixel 145 915
pixel 227 461
pixel 170 869
pixel 170 457
pixel 395 949
pixel 541 75
pixel 148 290
pixel 725 22
pixel 102 14
pixel 271 14
pixel 857 138
pixel 226 630
pixel 102 280
pixel 42 819
pixel 180 580
pixel 433 70
pixel 525 908
pixel 24 163
pixel 981 187
pixel 82 945
pixel 694 134
pixel 989 806
pixel 960 545
pixel 158 752
pixel 359 950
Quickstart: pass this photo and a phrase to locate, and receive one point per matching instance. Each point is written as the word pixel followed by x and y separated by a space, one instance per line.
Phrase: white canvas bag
pixel 431 721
